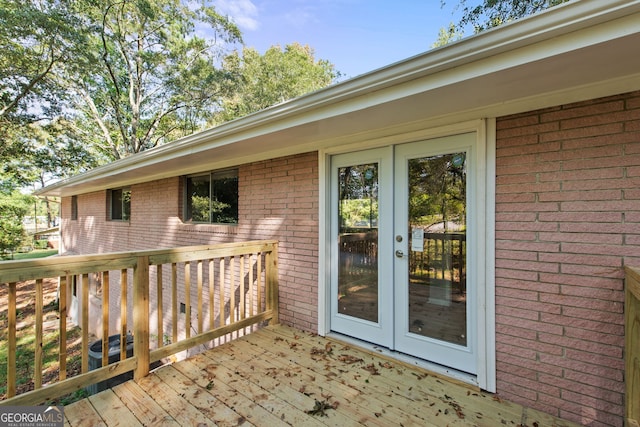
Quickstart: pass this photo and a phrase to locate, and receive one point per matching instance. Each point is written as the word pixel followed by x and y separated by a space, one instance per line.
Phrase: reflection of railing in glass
pixel 443 259
pixel 358 275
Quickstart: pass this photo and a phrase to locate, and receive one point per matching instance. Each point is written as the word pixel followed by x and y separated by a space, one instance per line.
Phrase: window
pixel 74 208
pixel 212 197
pixel 120 204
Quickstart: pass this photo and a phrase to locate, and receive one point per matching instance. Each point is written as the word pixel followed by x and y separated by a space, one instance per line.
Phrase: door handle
pixel 399 254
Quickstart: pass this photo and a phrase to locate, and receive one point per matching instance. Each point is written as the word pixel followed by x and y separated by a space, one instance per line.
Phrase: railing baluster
pixel 251 288
pixel 62 339
pixel 211 295
pixel 232 290
pixel 174 302
pixel 105 318
pixel 200 296
pixel 259 284
pixel 187 298
pixel 222 299
pixel 159 303
pixel 37 377
pixel 124 286
pixel 242 307
pixel 84 280
pixel 11 354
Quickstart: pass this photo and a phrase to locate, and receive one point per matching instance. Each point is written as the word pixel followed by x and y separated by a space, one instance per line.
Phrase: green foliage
pixel 437 190
pixel 492 13
pixel 154 78
pixel 37 38
pixel 448 35
pixel 358 190
pixel 85 82
pixel 13 208
pixel 275 77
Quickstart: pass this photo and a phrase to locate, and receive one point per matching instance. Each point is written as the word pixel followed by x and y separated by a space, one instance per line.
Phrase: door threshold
pixel 437 369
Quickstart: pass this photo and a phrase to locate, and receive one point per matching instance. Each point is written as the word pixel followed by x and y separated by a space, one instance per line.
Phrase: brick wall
pixel 567 221
pixel 278 199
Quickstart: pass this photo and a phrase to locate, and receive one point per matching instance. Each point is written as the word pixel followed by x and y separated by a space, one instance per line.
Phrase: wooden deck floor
pixel 281 376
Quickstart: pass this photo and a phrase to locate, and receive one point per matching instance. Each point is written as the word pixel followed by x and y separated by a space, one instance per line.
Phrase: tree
pixel 492 13
pixel 37 37
pixel 269 79
pixel 153 79
pixel 13 208
pixel 448 35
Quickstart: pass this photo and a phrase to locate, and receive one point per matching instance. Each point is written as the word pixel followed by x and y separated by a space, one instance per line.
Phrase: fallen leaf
pixel 347 358
pixel 328 348
pixel 371 369
pixel 319 408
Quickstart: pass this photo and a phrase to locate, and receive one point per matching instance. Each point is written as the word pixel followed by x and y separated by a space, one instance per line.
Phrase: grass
pixel 37 253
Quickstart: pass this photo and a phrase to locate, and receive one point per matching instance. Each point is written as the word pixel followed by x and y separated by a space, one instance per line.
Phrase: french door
pixel 403 231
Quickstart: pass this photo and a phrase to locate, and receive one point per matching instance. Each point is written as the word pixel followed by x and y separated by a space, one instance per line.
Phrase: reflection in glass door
pixel 437 247
pixel 401 219
pixel 434 303
pixel 358 241
pixel 361 262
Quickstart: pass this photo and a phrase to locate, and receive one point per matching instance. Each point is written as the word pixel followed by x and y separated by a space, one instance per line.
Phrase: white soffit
pixel 578 51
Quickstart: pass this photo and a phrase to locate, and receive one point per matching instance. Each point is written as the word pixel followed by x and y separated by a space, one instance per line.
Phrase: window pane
pixel 116 204
pixel 74 207
pixel 198 203
pixel 120 204
pixel 358 241
pixel 126 205
pixel 224 200
pixel 437 274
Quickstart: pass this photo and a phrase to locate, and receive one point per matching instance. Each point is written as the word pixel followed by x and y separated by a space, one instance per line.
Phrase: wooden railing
pixel 632 346
pixel 443 258
pixel 232 287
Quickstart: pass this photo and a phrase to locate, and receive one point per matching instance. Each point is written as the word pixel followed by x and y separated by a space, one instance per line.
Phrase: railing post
pixel 272 282
pixel 141 317
pixel 632 346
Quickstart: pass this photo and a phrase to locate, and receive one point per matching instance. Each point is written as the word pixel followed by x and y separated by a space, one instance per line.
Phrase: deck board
pixel 143 406
pixel 278 375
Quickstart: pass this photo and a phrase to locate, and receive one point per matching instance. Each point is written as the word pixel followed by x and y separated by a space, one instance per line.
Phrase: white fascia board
pixel 562 29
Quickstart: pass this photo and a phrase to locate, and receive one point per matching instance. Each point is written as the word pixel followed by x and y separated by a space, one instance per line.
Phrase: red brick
pixel 583 111
pixel 594 216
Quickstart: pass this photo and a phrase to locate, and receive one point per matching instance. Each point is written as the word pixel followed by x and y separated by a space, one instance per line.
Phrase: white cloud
pixel 243 12
pixel 300 17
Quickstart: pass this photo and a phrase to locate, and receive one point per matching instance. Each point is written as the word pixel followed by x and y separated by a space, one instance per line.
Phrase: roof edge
pixel 560 20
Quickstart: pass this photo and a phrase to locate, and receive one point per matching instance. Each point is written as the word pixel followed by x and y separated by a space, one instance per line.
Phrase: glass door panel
pixel 358 241
pixel 437 236
pixel 361 256
pixel 434 302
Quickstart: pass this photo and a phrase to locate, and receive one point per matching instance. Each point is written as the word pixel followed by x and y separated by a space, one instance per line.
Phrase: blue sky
pixel 357 36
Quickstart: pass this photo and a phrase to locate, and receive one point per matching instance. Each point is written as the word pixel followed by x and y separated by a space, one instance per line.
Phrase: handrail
pixel 632 346
pixel 235 286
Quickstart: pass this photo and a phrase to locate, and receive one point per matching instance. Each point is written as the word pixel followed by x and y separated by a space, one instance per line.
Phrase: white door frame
pixel 484 252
